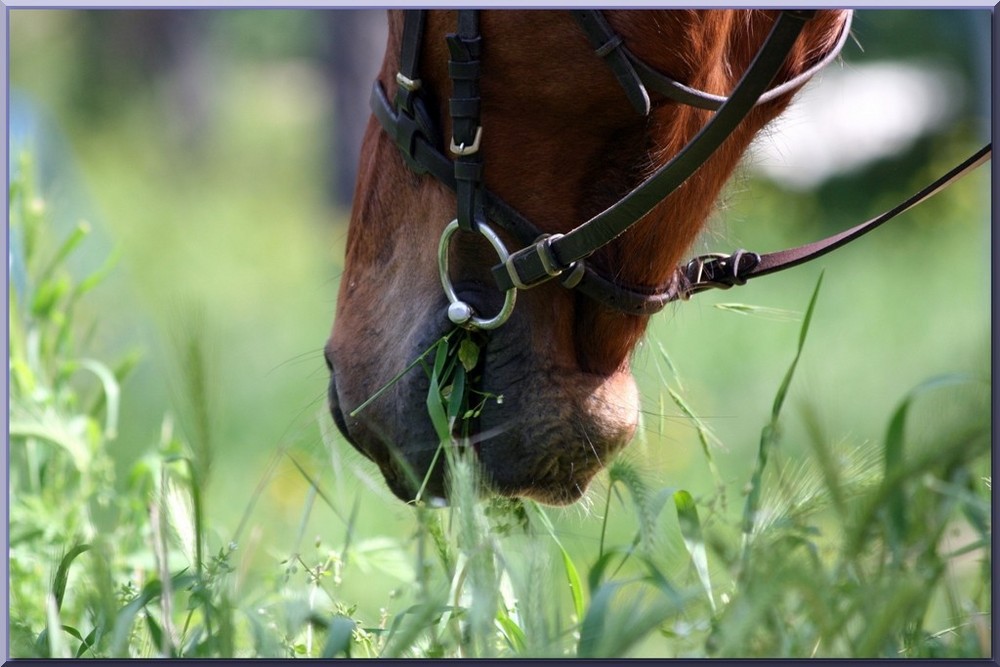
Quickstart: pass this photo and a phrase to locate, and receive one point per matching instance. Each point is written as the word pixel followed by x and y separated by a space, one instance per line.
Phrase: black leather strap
pixel 413 39
pixel 610 47
pixel 531 266
pixel 413 119
pixel 716 271
pixel 465 49
pixel 786 259
pixel 417 136
pixel 635 74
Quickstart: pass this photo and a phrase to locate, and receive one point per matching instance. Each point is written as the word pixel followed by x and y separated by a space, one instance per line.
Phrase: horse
pixel 557 136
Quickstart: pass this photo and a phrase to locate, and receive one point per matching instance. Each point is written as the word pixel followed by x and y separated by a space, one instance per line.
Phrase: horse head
pixel 561 142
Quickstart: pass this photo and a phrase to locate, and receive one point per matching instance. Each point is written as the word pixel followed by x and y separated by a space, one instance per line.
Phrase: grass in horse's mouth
pixel 454 401
pixel 454 367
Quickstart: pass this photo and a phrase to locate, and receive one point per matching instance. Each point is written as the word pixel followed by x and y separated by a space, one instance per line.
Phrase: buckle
pixel 462 149
pixel 719 270
pixel 546 259
pixel 545 256
pixel 408 83
pixel 515 279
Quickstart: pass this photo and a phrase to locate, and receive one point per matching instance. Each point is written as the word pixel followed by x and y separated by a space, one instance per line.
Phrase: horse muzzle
pixel 543 433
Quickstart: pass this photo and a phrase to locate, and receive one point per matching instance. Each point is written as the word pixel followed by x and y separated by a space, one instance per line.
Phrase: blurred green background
pixel 214 151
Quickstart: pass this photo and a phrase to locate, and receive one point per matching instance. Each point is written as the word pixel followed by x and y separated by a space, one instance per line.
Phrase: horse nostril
pixel 326 358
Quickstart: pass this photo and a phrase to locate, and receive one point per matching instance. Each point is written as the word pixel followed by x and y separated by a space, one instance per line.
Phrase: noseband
pixel 410 123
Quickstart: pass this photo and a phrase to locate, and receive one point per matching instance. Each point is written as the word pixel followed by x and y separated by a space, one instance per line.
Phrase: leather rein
pixel 409 121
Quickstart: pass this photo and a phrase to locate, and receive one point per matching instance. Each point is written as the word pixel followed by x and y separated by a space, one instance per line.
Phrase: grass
pixel 831 549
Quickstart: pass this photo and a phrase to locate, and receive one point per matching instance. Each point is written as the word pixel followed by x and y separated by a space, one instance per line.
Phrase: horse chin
pixel 555 429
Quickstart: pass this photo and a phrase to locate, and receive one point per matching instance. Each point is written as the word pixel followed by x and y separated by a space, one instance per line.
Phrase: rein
pixel 409 121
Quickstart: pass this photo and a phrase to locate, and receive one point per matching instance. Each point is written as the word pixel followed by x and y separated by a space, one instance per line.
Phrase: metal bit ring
pixel 460 312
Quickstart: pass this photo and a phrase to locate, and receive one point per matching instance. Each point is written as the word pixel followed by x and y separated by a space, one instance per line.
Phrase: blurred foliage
pixel 134 571
pixel 196 142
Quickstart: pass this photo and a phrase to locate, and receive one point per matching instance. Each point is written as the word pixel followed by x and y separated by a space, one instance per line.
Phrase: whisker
pixel 483 436
pixel 298 359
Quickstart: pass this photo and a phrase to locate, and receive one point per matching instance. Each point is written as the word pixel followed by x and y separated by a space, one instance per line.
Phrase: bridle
pixel 411 124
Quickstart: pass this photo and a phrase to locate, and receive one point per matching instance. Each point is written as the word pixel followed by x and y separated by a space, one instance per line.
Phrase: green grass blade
pixel 338 638
pixel 610 631
pixel 705 437
pixel 895 495
pixel 769 434
pixel 349 532
pixel 435 408
pixel 573 578
pixel 694 540
pixel 457 397
pixel 572 575
pixel 48 295
pixel 57 646
pixel 119 373
pixel 97 277
pixel 313 483
pixel 71 242
pixel 759 311
pixel 388 385
pixel 592 627
pixel 419 496
pixel 111 393
pixel 86 643
pixel 779 399
pixel 513 633
pixel 62 573
pixel 670 366
pixel 896 515
pixel 155 632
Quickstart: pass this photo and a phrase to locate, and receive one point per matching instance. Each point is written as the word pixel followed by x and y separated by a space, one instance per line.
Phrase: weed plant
pixel 880 550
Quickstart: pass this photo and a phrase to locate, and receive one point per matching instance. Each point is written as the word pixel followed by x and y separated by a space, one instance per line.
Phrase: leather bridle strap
pixel 610 46
pixel 418 149
pixel 465 48
pixel 723 271
pixel 718 275
pixel 637 78
pixel 410 124
pixel 412 121
pixel 552 255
